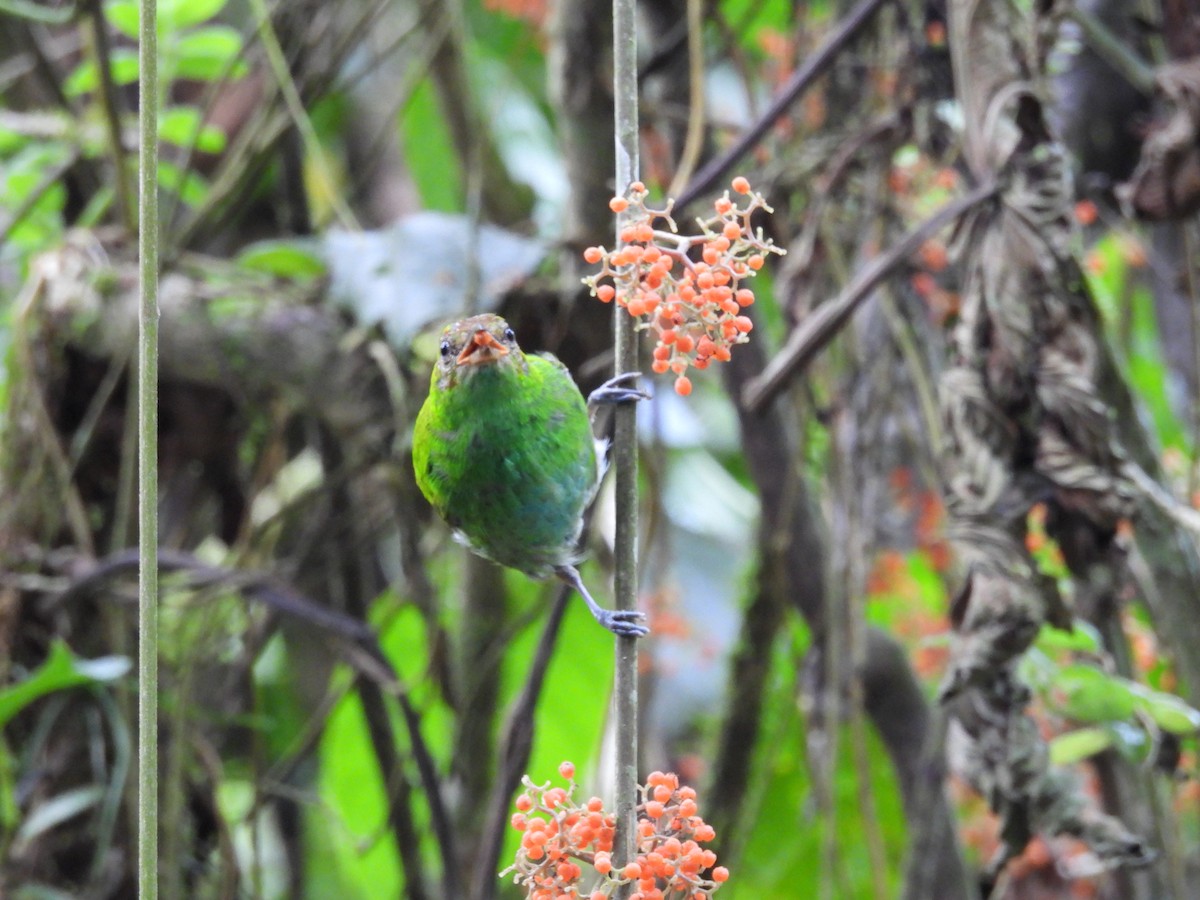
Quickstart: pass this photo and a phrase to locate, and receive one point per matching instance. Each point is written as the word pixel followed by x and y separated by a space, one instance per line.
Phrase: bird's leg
pixel 616 390
pixel 626 622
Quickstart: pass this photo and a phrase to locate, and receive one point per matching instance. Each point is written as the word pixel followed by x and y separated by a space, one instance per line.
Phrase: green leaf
pixel 123 16
pixel 1083 638
pixel 1076 746
pixel 83 80
pixel 1086 694
pixel 205 54
pixel 283 259
pixel 60 671
pixel 178 14
pixel 181 126
pixel 190 186
pixel 1169 712
pixel 429 152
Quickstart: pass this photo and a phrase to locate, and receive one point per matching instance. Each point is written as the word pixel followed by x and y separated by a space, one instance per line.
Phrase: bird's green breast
pixel 505 454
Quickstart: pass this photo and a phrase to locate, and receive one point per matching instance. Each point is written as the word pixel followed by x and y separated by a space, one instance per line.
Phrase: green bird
pixel 503 450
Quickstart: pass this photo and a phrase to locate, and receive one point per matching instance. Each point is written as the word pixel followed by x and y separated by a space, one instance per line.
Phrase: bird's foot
pixel 625 622
pixel 617 390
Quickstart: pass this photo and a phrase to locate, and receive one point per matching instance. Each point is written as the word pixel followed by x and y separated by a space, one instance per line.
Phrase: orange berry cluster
pixel 557 833
pixel 693 305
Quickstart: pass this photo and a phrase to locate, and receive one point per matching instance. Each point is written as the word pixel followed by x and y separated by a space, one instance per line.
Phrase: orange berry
pixel 637 188
pixel 711 255
pixel 567 769
pixel 605 293
pixel 662 352
pixel 732 231
pixel 679 366
pixel 741 185
pixel 659 366
pixel 744 296
pixel 636 307
pixel 598 895
pixel 593 255
pixel 720 874
pixel 1085 212
pixel 705 832
pixel 524 803
pixel 684 343
pixel 645 829
pixel 723 205
pixel 743 324
pixel 755 262
pixel 683 386
pixel 518 821
pixel 652 255
pixel 602 863
pixel 618 204
pixel 705 280
pixel 595 804
pixel 669 336
pixel 722 353
pixel 654 809
pixel 631 871
pixel 687 808
pixel 644 233
pixel 700 362
pixel 566 871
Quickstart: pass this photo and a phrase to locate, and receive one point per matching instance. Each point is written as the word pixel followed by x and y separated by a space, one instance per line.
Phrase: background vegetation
pixel 348 697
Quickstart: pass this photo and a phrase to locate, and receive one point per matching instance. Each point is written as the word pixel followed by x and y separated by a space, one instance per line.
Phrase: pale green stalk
pixel 147 842
pixel 624 454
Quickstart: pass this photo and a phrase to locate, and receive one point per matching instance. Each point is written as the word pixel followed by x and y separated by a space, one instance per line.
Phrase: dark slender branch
pixel 514 753
pixel 111 106
pixel 800 81
pixel 361 650
pixel 811 335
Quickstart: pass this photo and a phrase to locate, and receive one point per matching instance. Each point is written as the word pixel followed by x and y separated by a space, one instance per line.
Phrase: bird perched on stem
pixel 503 450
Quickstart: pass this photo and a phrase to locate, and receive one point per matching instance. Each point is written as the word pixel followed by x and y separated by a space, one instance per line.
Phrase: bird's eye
pixel 446 349
pixel 509 335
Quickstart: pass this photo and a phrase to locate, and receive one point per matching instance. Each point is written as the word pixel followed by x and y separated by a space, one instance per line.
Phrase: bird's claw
pixel 624 622
pixel 615 390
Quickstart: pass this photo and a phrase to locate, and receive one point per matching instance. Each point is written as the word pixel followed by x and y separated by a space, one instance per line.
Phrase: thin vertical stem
pixel 148 452
pixel 625 461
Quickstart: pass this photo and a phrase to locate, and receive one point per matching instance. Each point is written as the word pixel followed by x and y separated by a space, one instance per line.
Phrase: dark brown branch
pixel 811 335
pixel 800 81
pixel 515 749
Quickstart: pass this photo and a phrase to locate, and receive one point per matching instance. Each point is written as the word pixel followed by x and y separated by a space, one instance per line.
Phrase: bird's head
pixel 470 345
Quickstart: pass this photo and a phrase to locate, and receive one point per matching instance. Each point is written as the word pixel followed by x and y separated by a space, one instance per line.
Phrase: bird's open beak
pixel 482 348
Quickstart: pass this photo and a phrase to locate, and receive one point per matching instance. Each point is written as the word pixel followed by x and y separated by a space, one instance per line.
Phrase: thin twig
pixel 811 336
pixel 624 456
pixel 1112 49
pixel 110 105
pixel 803 77
pixel 694 141
pixel 300 118
pixel 147 842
